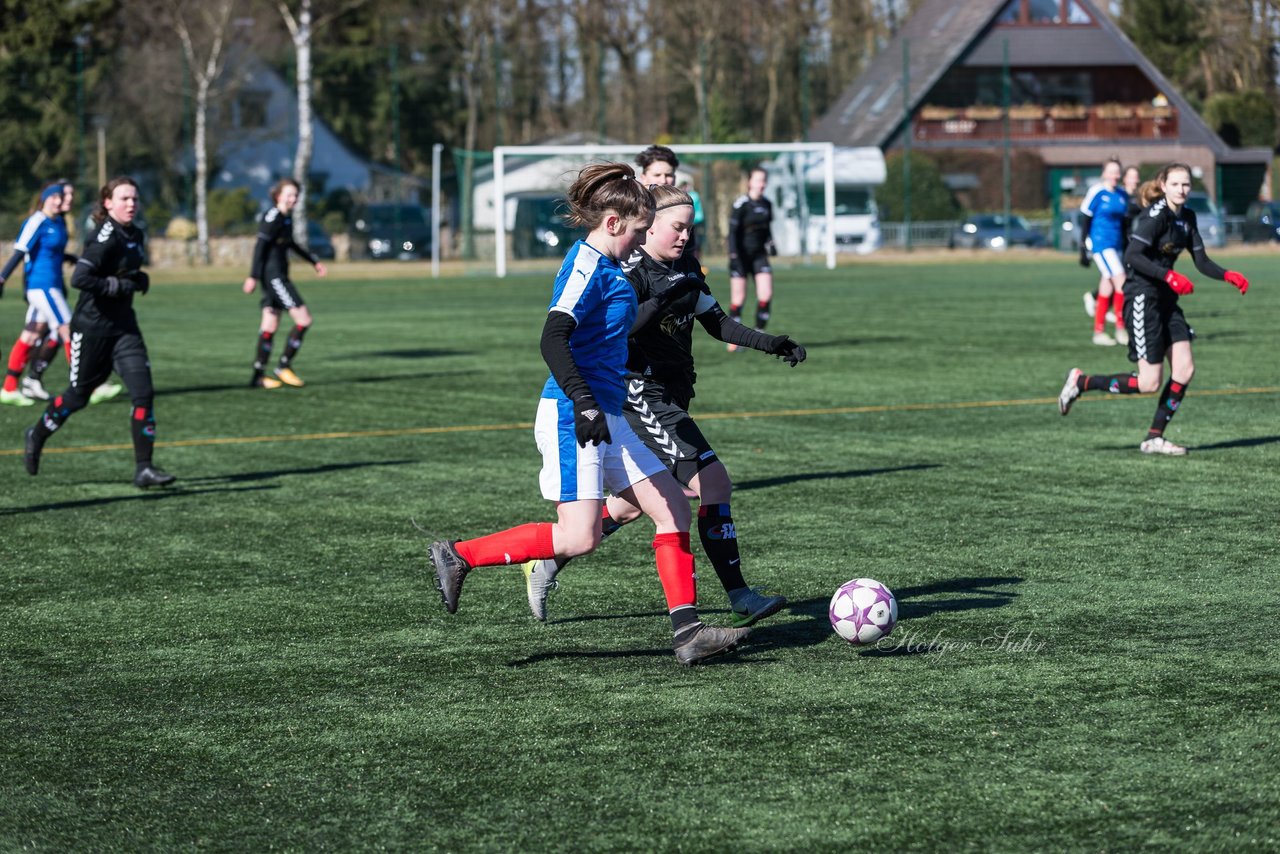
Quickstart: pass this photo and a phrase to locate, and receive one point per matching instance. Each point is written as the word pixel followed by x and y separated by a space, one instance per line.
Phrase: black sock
pixel 142 422
pixel 720 542
pixel 44 356
pixel 1170 400
pixel 762 313
pixel 735 312
pixel 292 346
pixel 683 618
pixel 262 354
pixel 1113 383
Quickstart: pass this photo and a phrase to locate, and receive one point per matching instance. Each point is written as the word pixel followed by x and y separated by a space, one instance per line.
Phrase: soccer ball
pixel 863 611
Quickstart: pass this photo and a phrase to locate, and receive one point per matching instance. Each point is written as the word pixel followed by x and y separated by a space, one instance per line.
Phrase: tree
pixel 301 27
pixel 930 197
pixel 1242 118
pixel 201 27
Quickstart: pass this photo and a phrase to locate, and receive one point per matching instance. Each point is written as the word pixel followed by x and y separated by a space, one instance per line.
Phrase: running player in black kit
pixel 1157 327
pixel 105 333
pixel 750 245
pixel 271 268
pixel 671 294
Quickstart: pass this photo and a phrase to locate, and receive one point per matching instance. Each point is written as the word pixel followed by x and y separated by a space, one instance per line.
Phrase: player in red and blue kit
pixel 42 248
pixel 586 443
pixel 1103 215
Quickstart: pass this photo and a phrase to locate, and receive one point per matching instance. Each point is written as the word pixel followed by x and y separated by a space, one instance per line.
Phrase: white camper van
pixel 799 221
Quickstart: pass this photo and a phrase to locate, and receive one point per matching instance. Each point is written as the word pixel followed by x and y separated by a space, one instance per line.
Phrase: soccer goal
pixel 525 175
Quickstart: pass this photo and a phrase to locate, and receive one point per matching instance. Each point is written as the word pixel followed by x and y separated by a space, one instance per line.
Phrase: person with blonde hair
pixel 586 443
pixel 660 379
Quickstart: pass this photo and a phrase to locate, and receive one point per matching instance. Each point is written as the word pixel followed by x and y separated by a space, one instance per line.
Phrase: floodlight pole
pixel 1008 170
pixel 906 141
pixel 436 151
pixel 499 212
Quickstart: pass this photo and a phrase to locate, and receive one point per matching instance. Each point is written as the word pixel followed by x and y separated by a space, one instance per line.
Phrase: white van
pixel 799 221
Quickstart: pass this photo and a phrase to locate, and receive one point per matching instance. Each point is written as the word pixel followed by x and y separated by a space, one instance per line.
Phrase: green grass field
pixel 256 660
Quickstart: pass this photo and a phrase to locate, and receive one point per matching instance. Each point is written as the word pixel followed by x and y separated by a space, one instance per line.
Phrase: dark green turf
pixel 255 660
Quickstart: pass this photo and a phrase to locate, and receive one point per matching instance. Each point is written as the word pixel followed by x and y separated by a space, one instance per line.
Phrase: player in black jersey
pixel 750 245
pixel 105 333
pixel 658 165
pixel 671 294
pixel 271 268
pixel 1157 328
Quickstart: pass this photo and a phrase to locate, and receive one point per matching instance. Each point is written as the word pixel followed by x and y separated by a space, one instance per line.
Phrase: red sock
pixel 66 348
pixel 1117 305
pixel 1100 313
pixel 514 545
pixel 17 361
pixel 675 569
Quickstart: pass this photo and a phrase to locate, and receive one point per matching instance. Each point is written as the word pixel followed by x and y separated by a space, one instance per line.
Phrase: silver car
pixel 1208 219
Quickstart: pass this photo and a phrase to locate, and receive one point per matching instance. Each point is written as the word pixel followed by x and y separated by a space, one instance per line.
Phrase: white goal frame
pixel 826 149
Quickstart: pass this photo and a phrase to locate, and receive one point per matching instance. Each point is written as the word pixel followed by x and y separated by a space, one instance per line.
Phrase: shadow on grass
pixel 857 342
pixel 417 353
pixel 783 480
pixel 1255 442
pixel 154 495
pixel 327 468
pixel 337 381
pixel 618 653
pixel 816 628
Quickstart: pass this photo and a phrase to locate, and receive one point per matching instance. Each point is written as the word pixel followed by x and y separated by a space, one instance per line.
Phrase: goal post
pixel 627 153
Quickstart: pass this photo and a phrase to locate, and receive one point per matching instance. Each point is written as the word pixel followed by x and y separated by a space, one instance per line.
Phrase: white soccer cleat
pixel 1111 317
pixel 105 392
pixel 34 389
pixel 1161 445
pixel 1102 339
pixel 1070 391
pixel 1122 337
pixel 1090 304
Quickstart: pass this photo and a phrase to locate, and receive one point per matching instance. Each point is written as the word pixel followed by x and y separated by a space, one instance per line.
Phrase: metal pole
pixel 906 143
pixel 436 151
pixel 1008 170
pixel 829 199
pixel 499 213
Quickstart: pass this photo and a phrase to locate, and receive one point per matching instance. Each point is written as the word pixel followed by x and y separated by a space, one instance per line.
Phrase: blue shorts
pixel 571 472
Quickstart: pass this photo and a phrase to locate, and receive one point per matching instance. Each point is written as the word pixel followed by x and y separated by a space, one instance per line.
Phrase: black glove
pixel 141 281
pixel 118 287
pixel 687 285
pixel 589 423
pixel 1084 256
pixel 771 248
pixel 787 350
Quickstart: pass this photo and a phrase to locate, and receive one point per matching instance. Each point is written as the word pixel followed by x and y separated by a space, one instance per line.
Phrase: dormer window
pixel 1041 13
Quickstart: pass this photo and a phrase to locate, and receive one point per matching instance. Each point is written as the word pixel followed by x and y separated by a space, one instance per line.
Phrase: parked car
pixel 1208 219
pixel 388 230
pixel 540 230
pixel 987 231
pixel 1262 222
pixel 1069 236
pixel 319 242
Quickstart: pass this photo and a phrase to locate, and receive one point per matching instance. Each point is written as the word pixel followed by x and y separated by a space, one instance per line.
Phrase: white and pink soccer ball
pixel 863 611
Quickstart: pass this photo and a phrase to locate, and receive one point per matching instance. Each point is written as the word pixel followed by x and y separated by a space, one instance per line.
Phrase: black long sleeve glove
pixel 140 280
pixel 787 350
pixel 589 423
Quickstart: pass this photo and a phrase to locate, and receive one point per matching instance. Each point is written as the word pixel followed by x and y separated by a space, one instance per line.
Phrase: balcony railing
pixel 1106 121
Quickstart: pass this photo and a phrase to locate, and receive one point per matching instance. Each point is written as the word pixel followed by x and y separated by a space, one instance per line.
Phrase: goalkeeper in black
pixel 671 294
pixel 105 333
pixel 271 270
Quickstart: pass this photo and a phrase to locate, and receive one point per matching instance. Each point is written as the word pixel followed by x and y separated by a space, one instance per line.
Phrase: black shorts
pixel 1154 323
pixel 93 357
pixel 281 295
pixel 757 262
pixel 667 429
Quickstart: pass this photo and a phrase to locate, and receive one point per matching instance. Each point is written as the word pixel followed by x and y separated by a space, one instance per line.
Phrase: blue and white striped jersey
pixel 44 242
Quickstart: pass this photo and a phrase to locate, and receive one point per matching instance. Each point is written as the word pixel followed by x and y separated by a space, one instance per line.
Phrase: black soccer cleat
pixel 451 569
pixel 149 476
pixel 696 643
pixel 32 445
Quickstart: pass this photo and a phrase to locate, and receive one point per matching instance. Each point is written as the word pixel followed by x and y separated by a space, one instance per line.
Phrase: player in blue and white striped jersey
pixel 1103 229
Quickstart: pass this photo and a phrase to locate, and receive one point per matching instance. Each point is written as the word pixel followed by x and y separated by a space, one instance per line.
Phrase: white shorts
pixel 571 472
pixel 48 307
pixel 1109 263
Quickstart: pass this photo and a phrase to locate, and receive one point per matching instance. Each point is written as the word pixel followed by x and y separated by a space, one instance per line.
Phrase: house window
pixel 1043 12
pixel 251 110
